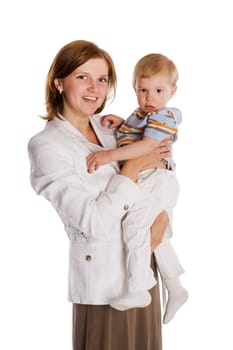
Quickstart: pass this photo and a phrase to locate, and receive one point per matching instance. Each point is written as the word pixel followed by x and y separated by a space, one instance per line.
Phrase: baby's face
pixel 154 93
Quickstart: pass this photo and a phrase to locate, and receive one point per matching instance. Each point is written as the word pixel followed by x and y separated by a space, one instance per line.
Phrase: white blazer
pixel 90 206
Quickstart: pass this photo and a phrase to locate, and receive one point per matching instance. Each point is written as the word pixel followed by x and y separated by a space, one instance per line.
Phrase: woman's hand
pixel 152 160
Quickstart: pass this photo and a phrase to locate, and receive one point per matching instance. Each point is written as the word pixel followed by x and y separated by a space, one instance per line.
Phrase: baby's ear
pixel 174 88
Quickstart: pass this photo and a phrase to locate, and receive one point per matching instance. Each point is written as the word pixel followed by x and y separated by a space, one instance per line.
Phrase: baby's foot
pixel 132 300
pixel 175 301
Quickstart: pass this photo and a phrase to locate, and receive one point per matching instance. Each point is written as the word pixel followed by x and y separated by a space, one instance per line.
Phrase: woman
pixel 92 205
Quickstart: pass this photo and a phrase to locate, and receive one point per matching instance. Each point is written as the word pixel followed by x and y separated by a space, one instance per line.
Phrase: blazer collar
pixel 105 135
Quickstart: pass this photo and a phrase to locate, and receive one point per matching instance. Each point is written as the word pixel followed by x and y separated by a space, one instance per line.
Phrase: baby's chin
pixel 151 110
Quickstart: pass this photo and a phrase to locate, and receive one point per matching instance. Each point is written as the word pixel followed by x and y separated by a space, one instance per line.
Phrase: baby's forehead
pixel 157 79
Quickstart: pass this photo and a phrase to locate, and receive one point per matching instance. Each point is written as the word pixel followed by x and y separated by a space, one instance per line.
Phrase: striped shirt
pixel 157 125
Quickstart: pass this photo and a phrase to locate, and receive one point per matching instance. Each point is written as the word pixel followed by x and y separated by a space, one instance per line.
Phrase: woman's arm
pixel 92 203
pixel 131 151
pixel 158 229
pixel 76 195
pixel 151 160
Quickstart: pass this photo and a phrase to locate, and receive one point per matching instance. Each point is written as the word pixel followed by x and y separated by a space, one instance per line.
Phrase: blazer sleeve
pixel 54 175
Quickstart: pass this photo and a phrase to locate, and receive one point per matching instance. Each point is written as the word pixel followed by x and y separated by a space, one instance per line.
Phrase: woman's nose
pixel 92 84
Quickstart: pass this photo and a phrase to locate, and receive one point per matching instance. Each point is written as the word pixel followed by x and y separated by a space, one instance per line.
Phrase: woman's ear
pixel 58 85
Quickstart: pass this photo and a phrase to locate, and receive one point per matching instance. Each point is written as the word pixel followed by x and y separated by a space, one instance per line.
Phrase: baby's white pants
pixel 161 190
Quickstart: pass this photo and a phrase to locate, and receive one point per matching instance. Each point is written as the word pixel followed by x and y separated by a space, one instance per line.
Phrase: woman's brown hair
pixel 70 57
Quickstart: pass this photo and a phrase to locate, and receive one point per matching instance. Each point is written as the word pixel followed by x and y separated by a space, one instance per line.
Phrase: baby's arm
pixel 111 121
pixel 130 151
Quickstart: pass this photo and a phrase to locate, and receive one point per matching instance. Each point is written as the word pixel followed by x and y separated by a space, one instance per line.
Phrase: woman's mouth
pixel 90 98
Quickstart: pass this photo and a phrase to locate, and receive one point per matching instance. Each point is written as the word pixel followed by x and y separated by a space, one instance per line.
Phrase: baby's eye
pixel 143 90
pixel 158 91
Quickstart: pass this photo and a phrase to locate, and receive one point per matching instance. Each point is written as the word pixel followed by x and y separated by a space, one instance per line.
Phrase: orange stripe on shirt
pixel 157 125
pixel 126 140
pixel 124 129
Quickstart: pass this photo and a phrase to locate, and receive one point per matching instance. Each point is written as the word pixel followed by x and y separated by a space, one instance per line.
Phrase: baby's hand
pixel 111 121
pixel 95 159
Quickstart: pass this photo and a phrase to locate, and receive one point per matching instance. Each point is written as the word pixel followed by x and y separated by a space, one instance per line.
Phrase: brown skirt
pixel 100 327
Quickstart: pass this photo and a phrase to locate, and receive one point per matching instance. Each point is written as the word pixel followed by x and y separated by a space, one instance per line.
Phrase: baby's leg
pixel 136 236
pixel 170 270
pixel 166 195
pixel 177 296
pixel 143 219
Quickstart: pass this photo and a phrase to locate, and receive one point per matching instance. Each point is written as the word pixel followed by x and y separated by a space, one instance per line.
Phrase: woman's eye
pixel 103 80
pixel 81 77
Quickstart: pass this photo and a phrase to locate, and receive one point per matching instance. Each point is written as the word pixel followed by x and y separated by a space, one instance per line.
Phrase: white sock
pixel 131 300
pixel 177 296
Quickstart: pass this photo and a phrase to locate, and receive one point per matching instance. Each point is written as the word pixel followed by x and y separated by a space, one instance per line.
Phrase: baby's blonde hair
pixel 153 64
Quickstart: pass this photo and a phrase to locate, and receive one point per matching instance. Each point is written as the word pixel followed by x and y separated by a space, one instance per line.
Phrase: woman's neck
pixel 83 125
pixel 80 123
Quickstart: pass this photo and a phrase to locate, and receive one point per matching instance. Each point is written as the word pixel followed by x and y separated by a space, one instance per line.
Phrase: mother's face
pixel 86 88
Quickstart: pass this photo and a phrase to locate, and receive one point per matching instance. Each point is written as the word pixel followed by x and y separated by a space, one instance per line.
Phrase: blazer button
pixel 88 257
pixel 126 207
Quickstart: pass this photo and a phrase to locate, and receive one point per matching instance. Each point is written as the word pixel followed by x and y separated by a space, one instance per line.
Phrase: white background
pixel 34 312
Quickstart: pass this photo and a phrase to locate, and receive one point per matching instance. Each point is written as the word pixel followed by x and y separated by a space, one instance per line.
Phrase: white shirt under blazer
pixel 90 206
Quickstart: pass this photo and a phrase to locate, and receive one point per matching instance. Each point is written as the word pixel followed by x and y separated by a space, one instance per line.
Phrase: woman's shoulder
pixel 47 135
